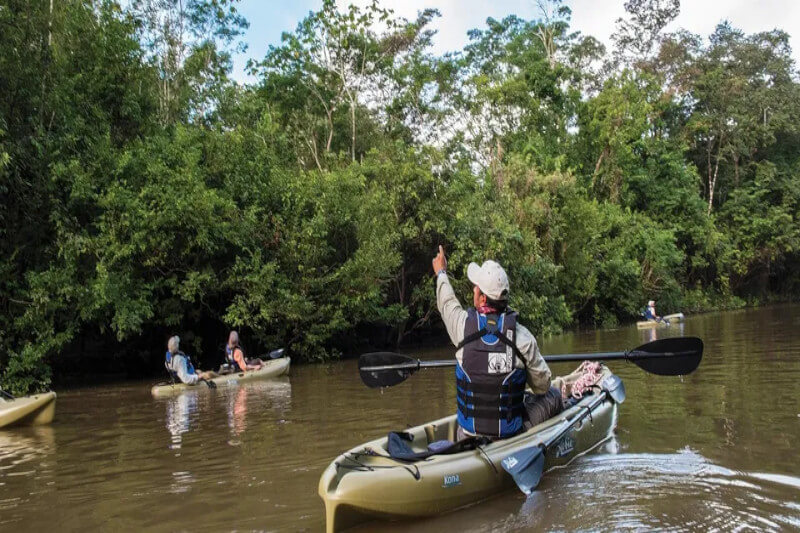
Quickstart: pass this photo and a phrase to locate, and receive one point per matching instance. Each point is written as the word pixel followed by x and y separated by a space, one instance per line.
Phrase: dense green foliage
pixel 145 193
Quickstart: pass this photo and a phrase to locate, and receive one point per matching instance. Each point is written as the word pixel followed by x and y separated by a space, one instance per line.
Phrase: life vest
pixel 490 389
pixel 168 364
pixel 649 314
pixel 230 359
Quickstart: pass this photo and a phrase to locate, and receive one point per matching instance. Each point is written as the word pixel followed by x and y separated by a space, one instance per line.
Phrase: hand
pixel 440 261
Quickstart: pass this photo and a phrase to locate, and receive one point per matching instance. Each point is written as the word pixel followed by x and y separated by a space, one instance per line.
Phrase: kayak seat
pixel 399 446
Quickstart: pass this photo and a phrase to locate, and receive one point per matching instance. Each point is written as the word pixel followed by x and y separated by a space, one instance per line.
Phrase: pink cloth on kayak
pixel 590 373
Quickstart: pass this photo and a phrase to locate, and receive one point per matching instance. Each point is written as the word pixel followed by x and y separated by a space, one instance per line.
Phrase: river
pixel 716 450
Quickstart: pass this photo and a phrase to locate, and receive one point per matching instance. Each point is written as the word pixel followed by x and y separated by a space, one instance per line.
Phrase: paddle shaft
pixel 567 424
pixel 560 358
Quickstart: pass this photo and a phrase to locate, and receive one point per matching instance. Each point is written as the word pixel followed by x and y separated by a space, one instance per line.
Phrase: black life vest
pixel 490 389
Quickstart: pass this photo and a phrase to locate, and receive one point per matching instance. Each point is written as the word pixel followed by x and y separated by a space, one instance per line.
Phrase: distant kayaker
pixel 496 357
pixel 650 311
pixel 234 355
pixel 179 365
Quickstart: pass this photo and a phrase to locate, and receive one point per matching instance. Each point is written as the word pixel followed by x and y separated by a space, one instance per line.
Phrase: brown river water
pixel 716 450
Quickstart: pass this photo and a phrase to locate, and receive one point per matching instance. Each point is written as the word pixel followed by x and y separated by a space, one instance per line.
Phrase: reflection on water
pixel 277 393
pixel 25 444
pixel 653 334
pixel 179 409
pixel 716 450
pixel 274 396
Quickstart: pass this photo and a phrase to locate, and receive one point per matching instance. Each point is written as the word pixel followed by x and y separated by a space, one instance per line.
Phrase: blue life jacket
pixel 648 313
pixel 490 389
pixel 168 360
pixel 230 359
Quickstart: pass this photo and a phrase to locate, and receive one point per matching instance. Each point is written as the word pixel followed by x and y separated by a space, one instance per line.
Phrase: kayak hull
pixel 31 410
pixel 353 493
pixel 666 320
pixel 271 369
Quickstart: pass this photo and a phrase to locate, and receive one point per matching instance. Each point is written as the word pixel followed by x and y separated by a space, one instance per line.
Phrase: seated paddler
pixel 650 311
pixel 180 366
pixel 497 357
pixel 234 356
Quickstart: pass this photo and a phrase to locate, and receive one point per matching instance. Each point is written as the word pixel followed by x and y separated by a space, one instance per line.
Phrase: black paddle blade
pixel 615 388
pixel 526 467
pixel 375 377
pixel 210 384
pixel 673 356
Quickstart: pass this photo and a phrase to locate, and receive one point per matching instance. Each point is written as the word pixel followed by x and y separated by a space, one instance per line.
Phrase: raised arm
pixel 453 315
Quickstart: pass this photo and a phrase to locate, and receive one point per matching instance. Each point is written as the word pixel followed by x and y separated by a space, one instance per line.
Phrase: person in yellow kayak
pixel 234 356
pixel 650 311
pixel 496 357
pixel 180 367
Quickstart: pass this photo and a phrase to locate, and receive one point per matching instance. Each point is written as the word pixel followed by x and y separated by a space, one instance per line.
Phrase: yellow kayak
pixel 272 368
pixel 28 410
pixel 666 320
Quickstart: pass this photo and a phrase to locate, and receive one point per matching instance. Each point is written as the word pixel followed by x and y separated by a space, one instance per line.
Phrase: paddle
pixel 527 465
pixel 7 395
pixel 276 354
pixel 674 356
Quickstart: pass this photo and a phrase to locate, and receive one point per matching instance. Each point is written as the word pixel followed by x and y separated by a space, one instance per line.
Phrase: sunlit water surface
pixel 717 450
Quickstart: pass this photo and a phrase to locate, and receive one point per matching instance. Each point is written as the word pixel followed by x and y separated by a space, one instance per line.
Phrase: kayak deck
pixel 365 483
pixel 28 410
pixel 272 368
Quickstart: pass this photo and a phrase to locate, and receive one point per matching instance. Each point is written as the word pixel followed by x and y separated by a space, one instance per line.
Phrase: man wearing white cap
pixel 496 356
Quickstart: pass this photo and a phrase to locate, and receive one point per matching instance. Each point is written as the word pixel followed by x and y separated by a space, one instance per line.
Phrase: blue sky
pixel 269 18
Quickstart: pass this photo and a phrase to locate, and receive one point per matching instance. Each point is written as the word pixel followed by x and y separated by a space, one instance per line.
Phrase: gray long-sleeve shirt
pixel 455 317
pixel 180 365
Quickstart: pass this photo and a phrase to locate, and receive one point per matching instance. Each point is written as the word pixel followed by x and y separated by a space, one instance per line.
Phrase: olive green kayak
pixel 272 368
pixel 365 483
pixel 666 320
pixel 28 410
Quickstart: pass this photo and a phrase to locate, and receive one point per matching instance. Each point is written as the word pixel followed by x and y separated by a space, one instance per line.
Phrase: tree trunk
pixel 353 129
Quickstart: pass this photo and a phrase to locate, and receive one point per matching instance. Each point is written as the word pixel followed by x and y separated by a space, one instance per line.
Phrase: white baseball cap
pixel 490 278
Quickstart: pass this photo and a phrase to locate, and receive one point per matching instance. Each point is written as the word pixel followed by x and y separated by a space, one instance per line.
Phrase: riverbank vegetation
pixel 145 193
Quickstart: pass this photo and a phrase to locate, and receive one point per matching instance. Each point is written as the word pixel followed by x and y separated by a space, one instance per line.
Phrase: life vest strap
pixel 486 412
pixel 493 400
pixel 499 334
pixel 482 388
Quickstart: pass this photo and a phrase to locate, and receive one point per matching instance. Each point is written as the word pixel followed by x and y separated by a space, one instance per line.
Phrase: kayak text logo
pixel 451 480
pixel 565 446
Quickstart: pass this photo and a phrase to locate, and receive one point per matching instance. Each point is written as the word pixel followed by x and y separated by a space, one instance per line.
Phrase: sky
pixel 269 18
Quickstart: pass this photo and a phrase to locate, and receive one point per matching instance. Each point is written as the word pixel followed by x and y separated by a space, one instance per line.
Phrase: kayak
pixel 28 410
pixel 272 368
pixel 666 320
pixel 365 483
